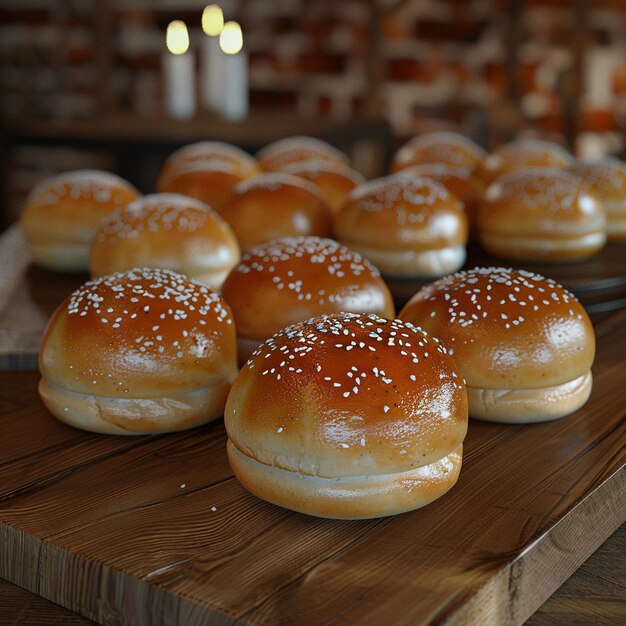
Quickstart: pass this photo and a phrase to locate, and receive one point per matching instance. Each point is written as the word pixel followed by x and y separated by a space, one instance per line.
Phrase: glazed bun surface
pixel 169 231
pixel 522 154
pixel 347 416
pixel 62 214
pixel 606 179
pixel 285 152
pixel 334 181
pixel 207 171
pixel 541 213
pixel 290 280
pixel 406 226
pixel 275 205
pixel 442 147
pixel 523 343
pixel 142 351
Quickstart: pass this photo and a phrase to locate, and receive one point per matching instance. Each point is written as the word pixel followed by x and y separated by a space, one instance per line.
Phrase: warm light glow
pixel 177 37
pixel 231 38
pixel 212 20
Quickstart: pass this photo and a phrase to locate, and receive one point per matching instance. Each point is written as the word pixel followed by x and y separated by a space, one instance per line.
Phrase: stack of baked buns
pixel 339 410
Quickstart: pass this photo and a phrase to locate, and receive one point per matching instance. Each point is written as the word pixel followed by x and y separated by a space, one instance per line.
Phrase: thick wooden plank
pixel 157 530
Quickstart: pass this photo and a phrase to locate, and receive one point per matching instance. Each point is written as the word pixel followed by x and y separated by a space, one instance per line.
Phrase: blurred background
pixel 83 82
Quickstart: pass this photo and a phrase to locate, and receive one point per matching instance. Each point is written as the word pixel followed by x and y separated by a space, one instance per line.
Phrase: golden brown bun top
pixel 539 200
pixel 334 181
pixel 506 329
pixel 403 212
pixel 606 179
pixel 139 334
pixel 229 157
pixel 284 152
pixel 275 205
pixel 521 154
pixel 348 395
pixel 76 202
pixel 289 280
pixel 443 147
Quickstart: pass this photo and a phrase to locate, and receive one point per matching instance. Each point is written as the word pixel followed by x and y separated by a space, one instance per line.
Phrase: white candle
pixel 178 72
pixel 213 58
pixel 235 103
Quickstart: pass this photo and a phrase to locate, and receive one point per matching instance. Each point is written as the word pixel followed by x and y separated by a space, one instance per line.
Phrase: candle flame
pixel 177 37
pixel 212 20
pixel 231 38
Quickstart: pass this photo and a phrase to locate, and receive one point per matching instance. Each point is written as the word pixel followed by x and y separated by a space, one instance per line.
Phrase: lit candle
pixel 178 72
pixel 235 103
pixel 213 61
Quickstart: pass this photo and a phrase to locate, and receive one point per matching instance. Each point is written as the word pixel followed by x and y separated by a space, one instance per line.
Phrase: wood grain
pixel 157 531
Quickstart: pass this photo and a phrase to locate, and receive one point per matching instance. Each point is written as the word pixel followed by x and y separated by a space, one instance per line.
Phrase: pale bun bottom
pixel 543 248
pixel 413 263
pixel 616 226
pixel 245 348
pixel 60 257
pixel 135 416
pixel 357 497
pixel 525 406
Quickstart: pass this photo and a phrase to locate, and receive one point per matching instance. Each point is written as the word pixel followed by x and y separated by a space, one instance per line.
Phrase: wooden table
pixel 156 529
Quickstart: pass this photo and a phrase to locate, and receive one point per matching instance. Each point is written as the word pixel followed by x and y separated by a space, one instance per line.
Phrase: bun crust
pixel 334 181
pixel 290 280
pixel 62 214
pixel 399 218
pixel 442 147
pixel 522 154
pixel 275 205
pixel 541 213
pixel 142 351
pixel 511 333
pixel 350 397
pixel 280 154
pixel 207 171
pixel 170 231
pixel 606 180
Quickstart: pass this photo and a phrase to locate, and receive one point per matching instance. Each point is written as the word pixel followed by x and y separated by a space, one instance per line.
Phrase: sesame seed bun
pixel 284 152
pixel 290 280
pixel 407 226
pixel 522 154
pixel 275 205
pixel 347 416
pixel 524 344
pixel 442 147
pixel 62 214
pixel 606 180
pixel 334 181
pixel 207 171
pixel 169 231
pixel 138 352
pixel 541 214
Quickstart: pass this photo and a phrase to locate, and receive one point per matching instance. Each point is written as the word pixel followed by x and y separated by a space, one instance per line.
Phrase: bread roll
pixel 207 171
pixel 347 416
pixel 284 152
pixel 170 231
pixel 62 214
pixel 334 181
pixel 524 344
pixel 442 147
pixel 541 214
pixel 406 226
pixel 522 154
pixel 289 280
pixel 275 205
pixel 606 179
pixel 139 352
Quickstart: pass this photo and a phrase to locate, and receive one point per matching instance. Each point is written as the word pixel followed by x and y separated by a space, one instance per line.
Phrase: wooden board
pixel 29 295
pixel 156 530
